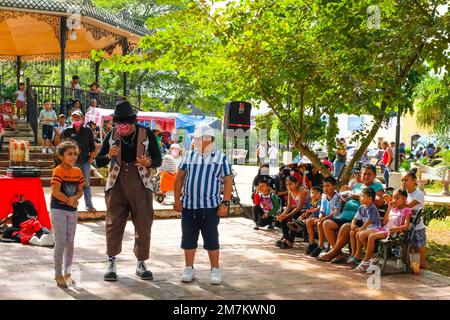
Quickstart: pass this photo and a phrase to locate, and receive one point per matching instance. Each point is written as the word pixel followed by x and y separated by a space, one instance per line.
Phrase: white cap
pixel 77 112
pixel 203 131
pixel 175 146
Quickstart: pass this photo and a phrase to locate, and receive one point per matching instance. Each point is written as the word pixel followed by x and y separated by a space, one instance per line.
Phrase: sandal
pixel 362 267
pixel 322 258
pixel 353 260
pixel 339 259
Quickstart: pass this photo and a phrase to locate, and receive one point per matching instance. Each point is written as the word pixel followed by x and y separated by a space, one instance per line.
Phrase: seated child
pixel 297 197
pixel 266 206
pixel 310 209
pixel 9 115
pixel 331 204
pixel 395 220
pixel 355 179
pixel 367 218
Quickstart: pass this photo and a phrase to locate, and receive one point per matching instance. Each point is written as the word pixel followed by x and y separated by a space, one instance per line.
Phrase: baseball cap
pixel 77 112
pixel 175 146
pixel 203 131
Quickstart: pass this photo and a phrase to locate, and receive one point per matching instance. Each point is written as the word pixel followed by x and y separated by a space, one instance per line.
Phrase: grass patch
pixel 435 187
pixel 438 246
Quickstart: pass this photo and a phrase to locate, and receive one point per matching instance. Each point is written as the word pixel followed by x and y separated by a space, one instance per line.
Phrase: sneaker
pixel 311 247
pixel 60 282
pixel 111 274
pixel 188 274
pixel 142 271
pixel 315 253
pixel 216 276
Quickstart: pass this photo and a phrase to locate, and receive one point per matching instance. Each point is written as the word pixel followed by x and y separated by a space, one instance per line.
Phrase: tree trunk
pixel 347 172
pixel 332 131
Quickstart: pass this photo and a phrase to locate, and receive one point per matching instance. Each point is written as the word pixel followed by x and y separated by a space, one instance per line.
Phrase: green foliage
pixel 320 53
pixel 430 213
pixel 445 154
pixel 331 133
pixel 405 165
pixel 433 103
pixel 265 121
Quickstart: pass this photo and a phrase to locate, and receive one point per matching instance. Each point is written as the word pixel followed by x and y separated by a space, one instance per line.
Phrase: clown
pixel 131 151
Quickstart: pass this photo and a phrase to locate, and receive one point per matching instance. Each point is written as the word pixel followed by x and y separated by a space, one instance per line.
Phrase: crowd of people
pixel 303 202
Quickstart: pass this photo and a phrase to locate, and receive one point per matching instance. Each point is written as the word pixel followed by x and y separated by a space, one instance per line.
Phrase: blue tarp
pixel 187 122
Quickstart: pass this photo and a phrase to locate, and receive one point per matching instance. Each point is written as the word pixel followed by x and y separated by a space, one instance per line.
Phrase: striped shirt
pixel 69 181
pixel 202 183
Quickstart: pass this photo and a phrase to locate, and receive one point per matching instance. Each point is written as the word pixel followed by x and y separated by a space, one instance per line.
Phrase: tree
pixel 323 54
pixel 433 104
pixel 265 122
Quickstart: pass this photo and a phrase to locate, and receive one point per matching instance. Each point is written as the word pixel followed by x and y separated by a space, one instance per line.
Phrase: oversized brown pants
pixel 129 196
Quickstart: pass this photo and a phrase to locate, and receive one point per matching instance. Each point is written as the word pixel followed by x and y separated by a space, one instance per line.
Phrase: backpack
pixel 22 211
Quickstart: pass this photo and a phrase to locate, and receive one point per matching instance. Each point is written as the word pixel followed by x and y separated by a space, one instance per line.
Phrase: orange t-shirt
pixel 69 182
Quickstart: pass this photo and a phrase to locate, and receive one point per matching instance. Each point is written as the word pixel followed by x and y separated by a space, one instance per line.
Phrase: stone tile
pixel 253 268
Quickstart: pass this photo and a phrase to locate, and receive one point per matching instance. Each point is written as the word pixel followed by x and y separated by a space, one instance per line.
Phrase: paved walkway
pixel 253 269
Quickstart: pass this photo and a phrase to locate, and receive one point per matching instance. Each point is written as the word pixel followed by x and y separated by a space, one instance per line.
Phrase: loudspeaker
pixel 237 115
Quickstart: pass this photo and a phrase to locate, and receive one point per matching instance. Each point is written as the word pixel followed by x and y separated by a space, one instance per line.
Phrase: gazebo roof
pixel 31 29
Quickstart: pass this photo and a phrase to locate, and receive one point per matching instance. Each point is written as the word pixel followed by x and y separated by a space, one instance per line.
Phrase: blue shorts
pixel 194 221
pixel 47 131
pixel 419 238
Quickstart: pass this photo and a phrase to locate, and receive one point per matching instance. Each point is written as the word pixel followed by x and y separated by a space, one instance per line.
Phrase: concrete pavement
pixel 253 268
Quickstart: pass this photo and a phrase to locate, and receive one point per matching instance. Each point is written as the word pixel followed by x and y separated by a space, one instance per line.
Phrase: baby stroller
pixel 164 182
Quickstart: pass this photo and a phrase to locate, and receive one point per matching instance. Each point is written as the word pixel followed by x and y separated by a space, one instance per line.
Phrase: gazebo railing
pixel 37 94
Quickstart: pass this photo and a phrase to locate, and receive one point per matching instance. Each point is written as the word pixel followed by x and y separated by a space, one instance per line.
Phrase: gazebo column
pixel 97 71
pixel 125 75
pixel 18 68
pixel 62 43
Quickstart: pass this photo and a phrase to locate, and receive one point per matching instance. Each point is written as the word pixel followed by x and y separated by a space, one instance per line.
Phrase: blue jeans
pixel 386 173
pixel 86 169
pixel 338 166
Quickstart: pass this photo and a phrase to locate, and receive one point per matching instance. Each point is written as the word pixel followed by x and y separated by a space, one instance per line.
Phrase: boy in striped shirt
pixel 200 176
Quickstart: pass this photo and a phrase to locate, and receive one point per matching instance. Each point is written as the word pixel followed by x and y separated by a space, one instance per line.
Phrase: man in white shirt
pixel 273 155
pixel 261 152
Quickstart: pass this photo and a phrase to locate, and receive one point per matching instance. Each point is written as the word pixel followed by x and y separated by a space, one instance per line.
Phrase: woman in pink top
pixel 395 220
